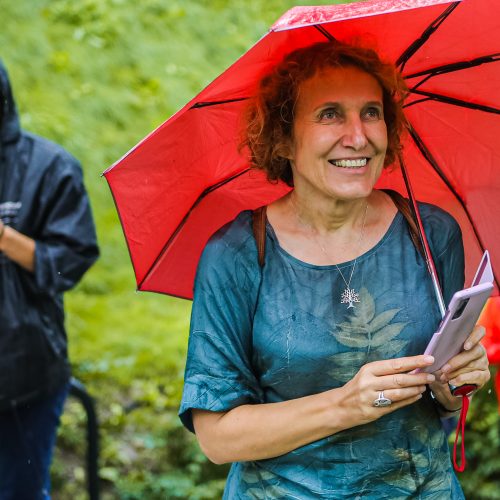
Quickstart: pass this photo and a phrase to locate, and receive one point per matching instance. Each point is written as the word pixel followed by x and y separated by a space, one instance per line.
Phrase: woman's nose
pixel 354 134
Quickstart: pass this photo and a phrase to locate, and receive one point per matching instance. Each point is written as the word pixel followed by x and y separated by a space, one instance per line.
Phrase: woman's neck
pixel 326 215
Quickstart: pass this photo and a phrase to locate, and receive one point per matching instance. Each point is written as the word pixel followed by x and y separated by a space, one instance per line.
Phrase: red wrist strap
pixel 464 391
pixel 461 432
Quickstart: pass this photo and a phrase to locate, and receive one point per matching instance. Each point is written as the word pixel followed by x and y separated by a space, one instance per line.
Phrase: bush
pixel 97 76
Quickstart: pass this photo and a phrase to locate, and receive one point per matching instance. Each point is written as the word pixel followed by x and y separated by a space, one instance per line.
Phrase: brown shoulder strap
pixel 403 205
pixel 259 232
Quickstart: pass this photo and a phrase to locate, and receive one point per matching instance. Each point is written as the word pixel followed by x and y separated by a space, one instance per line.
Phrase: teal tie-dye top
pixel 261 335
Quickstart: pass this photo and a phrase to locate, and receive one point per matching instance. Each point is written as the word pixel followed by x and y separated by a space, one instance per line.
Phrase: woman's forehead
pixel 339 84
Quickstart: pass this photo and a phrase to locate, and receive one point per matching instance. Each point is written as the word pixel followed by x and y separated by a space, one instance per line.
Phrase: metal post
pixel 77 389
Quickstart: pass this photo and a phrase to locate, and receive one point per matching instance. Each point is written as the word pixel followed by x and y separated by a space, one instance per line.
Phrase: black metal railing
pixel 77 390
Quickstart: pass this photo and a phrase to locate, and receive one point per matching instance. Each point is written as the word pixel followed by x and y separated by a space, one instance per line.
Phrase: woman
pixel 300 372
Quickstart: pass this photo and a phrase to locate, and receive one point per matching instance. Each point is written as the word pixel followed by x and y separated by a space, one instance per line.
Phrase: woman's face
pixel 339 134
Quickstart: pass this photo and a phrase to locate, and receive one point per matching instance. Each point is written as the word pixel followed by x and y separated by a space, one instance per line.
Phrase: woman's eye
pixel 373 114
pixel 329 114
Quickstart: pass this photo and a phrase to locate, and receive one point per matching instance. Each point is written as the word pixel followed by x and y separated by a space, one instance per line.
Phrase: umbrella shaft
pixel 428 255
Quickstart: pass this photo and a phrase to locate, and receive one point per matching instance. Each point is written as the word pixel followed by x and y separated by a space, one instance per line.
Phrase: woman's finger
pixel 477 364
pixel 397 395
pixel 475 337
pixel 478 377
pixel 461 365
pixel 396 405
pixel 403 380
pixel 463 373
pixel 463 359
pixel 399 365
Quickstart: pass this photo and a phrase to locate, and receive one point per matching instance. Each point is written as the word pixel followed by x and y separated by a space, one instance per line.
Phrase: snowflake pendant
pixel 349 296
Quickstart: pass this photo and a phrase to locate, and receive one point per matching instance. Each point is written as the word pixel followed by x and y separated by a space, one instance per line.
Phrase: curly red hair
pixel 269 116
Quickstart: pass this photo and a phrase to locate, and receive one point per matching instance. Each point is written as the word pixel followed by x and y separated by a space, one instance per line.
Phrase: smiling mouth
pixel 355 163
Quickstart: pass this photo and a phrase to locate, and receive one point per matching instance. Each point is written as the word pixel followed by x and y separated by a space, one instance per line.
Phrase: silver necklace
pixel 349 295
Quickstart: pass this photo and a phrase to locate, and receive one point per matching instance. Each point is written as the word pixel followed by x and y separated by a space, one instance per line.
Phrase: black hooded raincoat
pixel 42 196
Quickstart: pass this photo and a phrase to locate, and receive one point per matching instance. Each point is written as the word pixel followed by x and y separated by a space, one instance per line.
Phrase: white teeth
pixel 361 162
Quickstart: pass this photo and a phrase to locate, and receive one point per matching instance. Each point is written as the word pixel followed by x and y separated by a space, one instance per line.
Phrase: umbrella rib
pixel 221 183
pixel 432 161
pixel 324 32
pixel 183 222
pixel 419 42
pixel 455 102
pixel 434 164
pixel 418 101
pixel 215 103
pixel 421 82
pixel 456 66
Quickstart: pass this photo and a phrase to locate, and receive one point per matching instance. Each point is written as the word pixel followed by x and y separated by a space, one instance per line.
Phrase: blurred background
pixel 96 76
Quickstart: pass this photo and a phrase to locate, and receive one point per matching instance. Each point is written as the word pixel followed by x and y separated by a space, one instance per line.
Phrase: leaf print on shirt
pixel 427 454
pixel 368 336
pixel 258 484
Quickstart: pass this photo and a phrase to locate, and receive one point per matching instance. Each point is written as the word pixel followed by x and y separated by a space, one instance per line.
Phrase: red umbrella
pixel 186 179
pixel 489 319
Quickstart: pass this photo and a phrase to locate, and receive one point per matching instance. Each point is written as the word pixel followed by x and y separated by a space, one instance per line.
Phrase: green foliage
pixel 97 76
pixel 481 479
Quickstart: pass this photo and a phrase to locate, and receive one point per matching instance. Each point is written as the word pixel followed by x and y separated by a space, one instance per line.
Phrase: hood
pixel 9 120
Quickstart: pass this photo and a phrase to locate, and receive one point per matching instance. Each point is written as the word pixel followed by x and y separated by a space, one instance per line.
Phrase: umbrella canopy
pixel 186 179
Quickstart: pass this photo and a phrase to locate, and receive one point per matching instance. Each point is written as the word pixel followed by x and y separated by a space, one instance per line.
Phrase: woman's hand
pixel 468 367
pixel 393 378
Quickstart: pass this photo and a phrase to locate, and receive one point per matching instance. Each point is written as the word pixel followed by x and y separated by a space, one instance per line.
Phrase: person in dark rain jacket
pixel 47 242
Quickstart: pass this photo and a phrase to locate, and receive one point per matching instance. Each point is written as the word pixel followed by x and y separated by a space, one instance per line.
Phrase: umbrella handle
pixel 421 233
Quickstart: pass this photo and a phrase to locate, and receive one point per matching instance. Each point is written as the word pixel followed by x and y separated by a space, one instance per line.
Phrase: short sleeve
pixel 219 374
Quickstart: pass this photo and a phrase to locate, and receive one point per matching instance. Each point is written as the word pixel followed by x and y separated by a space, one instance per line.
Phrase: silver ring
pixel 382 401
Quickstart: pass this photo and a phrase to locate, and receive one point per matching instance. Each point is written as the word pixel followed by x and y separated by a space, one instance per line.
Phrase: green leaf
pixel 386 336
pixel 383 319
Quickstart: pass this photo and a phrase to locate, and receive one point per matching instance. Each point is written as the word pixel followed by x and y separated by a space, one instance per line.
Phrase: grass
pixel 97 76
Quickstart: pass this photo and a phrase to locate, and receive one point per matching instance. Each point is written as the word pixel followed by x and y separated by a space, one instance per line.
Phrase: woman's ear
pixel 286 150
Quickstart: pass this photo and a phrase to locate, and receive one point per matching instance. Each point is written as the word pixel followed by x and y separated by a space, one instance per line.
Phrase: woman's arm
pixel 17 247
pixel 261 431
